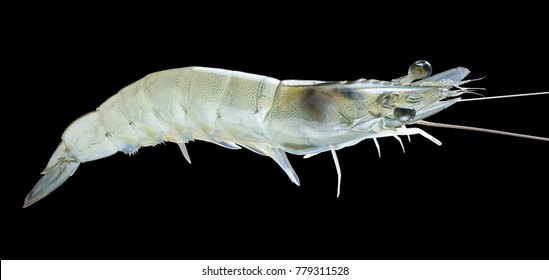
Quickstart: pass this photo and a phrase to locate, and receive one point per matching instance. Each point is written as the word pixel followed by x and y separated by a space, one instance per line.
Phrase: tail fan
pixel 52 179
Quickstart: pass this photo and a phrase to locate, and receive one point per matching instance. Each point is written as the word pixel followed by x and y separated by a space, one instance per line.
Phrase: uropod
pixel 265 115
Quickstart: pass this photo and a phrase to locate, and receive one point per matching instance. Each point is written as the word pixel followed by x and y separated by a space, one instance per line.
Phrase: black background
pixel 478 196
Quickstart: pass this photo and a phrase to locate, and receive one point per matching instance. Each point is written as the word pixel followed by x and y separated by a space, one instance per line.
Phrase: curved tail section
pixel 59 169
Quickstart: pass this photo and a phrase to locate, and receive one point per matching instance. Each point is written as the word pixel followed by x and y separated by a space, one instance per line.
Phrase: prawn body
pixel 235 109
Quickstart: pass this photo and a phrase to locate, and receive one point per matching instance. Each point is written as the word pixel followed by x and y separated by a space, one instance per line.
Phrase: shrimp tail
pixel 58 170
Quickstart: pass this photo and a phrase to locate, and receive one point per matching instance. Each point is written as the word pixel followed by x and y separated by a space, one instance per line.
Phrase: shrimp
pixel 265 115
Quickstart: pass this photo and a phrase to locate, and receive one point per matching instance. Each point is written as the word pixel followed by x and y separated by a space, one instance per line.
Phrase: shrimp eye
pixel 421 69
pixel 404 115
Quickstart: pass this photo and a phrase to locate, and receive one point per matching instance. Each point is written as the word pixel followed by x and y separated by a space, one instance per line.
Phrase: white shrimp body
pixel 185 104
pixel 236 109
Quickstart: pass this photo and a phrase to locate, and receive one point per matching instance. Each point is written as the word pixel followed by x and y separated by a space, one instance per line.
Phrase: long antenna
pixel 504 96
pixel 453 126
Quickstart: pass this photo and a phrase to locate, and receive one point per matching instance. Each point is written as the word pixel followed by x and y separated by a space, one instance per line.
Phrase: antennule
pixel 453 126
pixel 505 96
